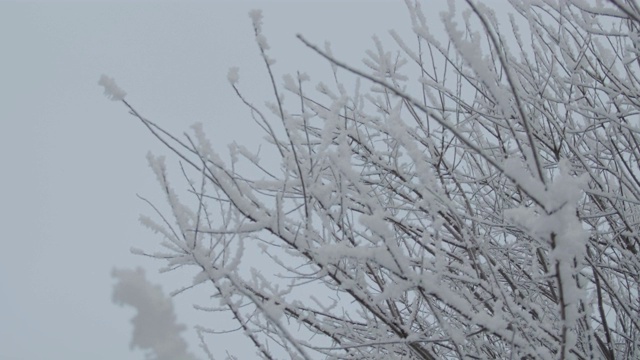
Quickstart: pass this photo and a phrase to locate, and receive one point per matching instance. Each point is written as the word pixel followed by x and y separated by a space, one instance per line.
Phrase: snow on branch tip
pixel 111 89
pixel 233 75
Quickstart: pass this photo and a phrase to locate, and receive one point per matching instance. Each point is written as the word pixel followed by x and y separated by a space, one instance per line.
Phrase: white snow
pixel 256 18
pixel 155 327
pixel 232 75
pixel 111 89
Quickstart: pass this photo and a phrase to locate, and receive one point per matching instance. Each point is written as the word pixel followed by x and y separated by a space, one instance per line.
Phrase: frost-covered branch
pixel 477 198
pixel 155 327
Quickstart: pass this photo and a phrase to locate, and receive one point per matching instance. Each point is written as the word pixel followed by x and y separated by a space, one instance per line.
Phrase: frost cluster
pixel 155 327
pixel 111 89
pixel 232 75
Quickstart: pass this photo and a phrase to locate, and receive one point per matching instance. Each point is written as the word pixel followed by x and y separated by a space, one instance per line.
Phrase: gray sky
pixel 73 161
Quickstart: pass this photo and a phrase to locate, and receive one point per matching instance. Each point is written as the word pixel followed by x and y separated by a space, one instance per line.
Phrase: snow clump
pixel 111 89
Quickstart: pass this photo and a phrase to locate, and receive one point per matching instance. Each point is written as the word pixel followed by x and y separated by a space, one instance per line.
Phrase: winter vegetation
pixel 469 197
pixel 154 326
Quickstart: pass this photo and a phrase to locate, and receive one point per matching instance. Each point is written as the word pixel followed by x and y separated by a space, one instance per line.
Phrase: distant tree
pixel 476 197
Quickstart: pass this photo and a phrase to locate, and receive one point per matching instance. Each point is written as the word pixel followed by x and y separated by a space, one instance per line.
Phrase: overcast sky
pixel 73 161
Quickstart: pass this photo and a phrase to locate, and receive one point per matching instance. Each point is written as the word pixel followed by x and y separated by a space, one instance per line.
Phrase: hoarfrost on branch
pixel 111 89
pixel 476 197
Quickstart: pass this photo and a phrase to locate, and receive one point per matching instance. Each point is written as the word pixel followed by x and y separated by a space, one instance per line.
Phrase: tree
pixel 471 198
